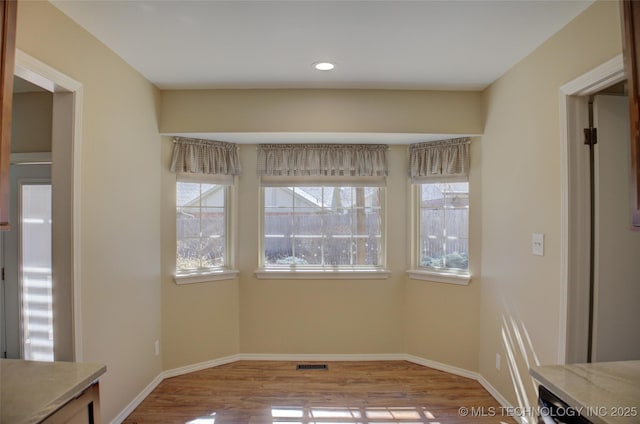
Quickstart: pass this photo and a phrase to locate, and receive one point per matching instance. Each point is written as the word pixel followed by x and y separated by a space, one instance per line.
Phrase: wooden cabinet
pixel 630 11
pixel 84 409
pixel 8 11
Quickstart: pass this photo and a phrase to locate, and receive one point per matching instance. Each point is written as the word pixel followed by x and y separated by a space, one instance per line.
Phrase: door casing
pixel 575 215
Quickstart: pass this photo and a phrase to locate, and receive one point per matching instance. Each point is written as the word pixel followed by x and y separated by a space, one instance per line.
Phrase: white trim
pixel 305 357
pixel 600 77
pixel 138 400
pixel 41 74
pixel 442 367
pixel 340 274
pixel 573 217
pixel 203 277
pixel 33 158
pixel 440 276
pixel 175 372
pixel 201 366
pixel 503 401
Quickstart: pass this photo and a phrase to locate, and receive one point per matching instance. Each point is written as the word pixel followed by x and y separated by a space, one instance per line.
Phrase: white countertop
pixel 30 391
pixel 606 392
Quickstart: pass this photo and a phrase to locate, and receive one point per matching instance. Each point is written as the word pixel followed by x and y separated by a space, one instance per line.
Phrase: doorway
pixel 575 332
pixel 65 200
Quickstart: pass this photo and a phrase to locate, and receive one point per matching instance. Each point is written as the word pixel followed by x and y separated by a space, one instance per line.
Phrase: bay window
pixel 440 199
pixel 322 210
pixel 205 172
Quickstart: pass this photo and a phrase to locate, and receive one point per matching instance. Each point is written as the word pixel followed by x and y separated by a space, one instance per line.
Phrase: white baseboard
pixel 137 400
pixel 442 367
pixel 501 399
pixel 313 357
pixel 200 366
pixel 321 357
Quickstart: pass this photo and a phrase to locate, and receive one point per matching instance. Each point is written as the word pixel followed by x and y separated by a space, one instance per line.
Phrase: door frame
pixel 575 197
pixel 66 154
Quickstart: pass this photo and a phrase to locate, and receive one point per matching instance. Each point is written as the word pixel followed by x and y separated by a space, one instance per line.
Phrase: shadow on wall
pixel 520 356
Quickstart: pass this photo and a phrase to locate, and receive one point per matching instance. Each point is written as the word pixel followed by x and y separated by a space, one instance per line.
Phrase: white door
pixel 616 327
pixel 27 301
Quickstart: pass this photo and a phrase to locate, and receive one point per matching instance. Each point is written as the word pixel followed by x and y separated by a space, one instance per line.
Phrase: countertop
pixel 30 391
pixel 606 392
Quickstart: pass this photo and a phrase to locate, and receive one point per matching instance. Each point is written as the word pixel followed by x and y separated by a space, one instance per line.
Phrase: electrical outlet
pixel 498 361
pixel 156 347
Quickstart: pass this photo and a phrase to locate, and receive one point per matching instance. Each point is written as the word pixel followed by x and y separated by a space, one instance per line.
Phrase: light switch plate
pixel 537 240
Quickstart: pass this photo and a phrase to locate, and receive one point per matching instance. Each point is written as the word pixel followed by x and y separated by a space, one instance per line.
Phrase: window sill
pixel 203 277
pixel 319 274
pixel 440 277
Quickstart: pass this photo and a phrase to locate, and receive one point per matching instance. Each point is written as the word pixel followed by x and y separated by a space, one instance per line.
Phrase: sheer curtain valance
pixel 439 161
pixel 302 160
pixel 195 158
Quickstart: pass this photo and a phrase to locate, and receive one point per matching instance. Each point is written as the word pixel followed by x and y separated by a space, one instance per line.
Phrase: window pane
pixel 432 223
pixel 36 273
pixel 444 225
pixel 307 221
pixel 323 226
pixel 457 223
pixel 339 252
pixel 212 252
pixel 188 222
pixel 201 223
pixel 188 254
pixel 213 222
pixel 308 250
pixel 187 194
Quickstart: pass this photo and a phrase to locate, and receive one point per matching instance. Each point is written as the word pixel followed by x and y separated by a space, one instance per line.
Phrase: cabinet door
pixel 631 49
pixel 85 409
pixel 8 11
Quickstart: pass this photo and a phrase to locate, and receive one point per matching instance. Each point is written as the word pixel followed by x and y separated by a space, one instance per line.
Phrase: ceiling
pixel 383 44
pixel 375 44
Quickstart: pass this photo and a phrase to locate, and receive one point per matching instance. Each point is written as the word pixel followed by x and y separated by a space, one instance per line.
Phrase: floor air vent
pixel 312 367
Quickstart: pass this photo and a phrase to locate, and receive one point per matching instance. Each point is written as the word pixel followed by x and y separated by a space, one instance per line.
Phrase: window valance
pixel 349 160
pixel 195 157
pixel 443 160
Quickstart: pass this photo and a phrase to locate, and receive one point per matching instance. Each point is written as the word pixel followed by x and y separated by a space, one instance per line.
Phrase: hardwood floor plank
pixel 269 392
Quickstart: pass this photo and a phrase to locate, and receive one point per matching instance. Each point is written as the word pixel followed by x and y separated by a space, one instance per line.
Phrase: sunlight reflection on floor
pixel 210 419
pixel 351 415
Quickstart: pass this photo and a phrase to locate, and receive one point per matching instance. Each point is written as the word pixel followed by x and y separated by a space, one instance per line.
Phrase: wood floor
pixel 260 392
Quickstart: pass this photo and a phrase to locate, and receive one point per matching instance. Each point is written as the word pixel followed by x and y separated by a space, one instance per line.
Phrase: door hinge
pixel 590 136
pixel 2 273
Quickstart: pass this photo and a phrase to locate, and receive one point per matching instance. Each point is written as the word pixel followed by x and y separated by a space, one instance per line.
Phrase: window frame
pixel 418 271
pixel 321 271
pixel 227 271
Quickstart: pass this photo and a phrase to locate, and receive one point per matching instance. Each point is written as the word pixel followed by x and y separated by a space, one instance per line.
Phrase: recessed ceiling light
pixel 324 66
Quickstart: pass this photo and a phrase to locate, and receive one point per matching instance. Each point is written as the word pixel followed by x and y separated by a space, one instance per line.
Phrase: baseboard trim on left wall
pixel 137 400
pixel 312 357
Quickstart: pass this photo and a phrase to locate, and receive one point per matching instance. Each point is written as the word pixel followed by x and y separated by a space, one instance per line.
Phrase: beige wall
pixel 319 316
pixel 520 177
pixel 441 320
pixel 200 322
pixel 392 111
pixel 31 122
pixel 120 197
